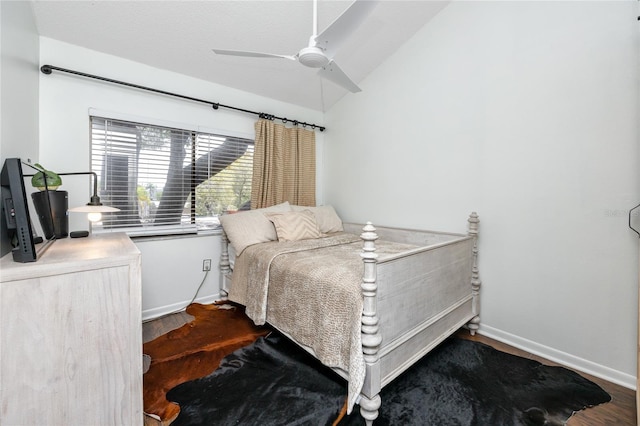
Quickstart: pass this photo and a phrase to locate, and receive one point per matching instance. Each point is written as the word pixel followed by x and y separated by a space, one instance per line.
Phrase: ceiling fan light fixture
pixel 313 57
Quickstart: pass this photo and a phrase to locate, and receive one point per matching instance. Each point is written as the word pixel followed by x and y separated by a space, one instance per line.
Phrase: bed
pixel 366 301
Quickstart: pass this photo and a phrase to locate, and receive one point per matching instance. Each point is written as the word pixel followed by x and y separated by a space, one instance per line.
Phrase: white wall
pixel 172 269
pixel 526 112
pixel 18 81
pixel 172 272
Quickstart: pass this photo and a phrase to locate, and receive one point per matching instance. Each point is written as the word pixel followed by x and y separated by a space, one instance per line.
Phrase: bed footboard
pixel 371 338
pixel 386 360
pixel 474 323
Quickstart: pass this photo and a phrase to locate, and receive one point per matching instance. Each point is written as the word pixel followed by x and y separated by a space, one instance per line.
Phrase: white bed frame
pixel 412 301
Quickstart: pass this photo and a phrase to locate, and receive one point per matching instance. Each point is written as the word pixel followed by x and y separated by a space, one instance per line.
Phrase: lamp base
pixel 79 234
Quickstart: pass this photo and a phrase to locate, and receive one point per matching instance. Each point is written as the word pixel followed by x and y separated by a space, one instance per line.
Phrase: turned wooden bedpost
pixel 225 266
pixel 371 337
pixel 474 324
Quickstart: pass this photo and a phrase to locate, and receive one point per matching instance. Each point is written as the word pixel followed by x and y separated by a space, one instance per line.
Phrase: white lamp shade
pixel 94 213
pixel 94 209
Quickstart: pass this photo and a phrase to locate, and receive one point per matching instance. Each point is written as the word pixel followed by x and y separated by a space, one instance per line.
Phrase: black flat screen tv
pixel 16 233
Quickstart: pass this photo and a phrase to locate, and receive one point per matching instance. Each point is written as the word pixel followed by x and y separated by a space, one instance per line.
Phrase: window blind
pixel 166 180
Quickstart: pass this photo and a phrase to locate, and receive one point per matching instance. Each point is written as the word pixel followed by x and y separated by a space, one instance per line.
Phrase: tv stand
pixel 71 335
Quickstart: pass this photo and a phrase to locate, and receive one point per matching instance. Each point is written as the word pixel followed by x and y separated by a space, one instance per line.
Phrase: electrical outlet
pixel 206 265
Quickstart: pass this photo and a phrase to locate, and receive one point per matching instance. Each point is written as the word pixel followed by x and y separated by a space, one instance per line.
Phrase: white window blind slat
pixel 167 180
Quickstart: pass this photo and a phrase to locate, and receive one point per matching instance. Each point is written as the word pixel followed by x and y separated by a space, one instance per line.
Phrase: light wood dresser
pixel 71 335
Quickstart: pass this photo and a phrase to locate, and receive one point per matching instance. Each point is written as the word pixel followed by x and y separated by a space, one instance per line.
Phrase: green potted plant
pixel 52 179
pixel 51 205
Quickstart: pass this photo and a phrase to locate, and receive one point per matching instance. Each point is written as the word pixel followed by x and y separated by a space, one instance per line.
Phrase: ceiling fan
pixel 322 47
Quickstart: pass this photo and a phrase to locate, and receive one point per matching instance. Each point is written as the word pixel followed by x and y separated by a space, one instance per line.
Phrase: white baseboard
pixel 567 360
pixel 150 314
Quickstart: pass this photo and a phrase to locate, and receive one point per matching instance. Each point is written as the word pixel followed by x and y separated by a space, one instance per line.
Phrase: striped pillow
pixel 326 217
pixel 294 226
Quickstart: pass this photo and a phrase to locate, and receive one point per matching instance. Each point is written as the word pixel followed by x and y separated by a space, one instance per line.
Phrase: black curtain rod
pixel 48 69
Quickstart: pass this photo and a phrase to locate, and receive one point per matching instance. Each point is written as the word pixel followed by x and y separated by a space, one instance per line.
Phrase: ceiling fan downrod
pixel 312 56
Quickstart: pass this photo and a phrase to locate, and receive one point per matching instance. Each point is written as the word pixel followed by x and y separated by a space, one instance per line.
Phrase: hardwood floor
pixel 620 411
pixel 158 327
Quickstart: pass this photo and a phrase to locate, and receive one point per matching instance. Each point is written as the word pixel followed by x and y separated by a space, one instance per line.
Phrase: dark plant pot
pixel 52 209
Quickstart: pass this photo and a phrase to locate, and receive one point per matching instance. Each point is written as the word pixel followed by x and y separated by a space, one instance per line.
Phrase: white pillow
pixel 326 217
pixel 294 226
pixel 251 227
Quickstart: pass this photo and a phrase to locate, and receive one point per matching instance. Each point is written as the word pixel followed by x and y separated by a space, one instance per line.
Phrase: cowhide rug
pixel 193 351
pixel 461 382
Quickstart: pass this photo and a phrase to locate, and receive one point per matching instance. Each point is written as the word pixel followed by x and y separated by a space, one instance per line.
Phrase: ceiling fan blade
pixel 252 54
pixel 332 72
pixel 332 37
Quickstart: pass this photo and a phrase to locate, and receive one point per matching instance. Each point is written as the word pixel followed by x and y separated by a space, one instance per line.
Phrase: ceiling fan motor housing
pixel 313 57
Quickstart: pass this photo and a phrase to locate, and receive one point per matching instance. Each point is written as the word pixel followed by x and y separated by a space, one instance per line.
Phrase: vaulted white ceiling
pixel 179 35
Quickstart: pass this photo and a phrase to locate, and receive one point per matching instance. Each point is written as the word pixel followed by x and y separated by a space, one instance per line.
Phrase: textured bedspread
pixel 310 289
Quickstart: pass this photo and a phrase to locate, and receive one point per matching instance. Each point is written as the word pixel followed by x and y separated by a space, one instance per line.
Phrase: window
pixel 166 180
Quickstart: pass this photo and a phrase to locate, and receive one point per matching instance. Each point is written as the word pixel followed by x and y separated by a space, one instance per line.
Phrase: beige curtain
pixel 284 166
